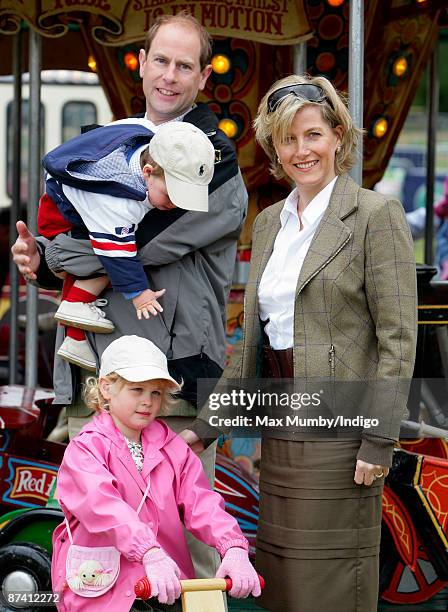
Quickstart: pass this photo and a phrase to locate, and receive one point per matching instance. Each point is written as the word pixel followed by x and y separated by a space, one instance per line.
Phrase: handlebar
pixel 142 587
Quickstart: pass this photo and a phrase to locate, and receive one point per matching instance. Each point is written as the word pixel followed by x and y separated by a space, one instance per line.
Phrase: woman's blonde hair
pixel 271 128
pixel 95 400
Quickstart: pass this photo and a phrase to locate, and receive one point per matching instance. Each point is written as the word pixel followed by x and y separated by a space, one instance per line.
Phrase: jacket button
pixel 128 593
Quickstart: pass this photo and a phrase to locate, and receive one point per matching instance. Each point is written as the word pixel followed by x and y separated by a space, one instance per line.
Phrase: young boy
pixel 106 180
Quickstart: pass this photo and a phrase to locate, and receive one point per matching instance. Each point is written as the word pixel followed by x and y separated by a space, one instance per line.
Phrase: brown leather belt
pixel 277 363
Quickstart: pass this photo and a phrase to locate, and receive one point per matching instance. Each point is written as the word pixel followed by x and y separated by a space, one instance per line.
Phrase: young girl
pixel 127 485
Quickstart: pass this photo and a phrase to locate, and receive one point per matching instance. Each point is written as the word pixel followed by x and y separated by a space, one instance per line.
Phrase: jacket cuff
pixel 378 451
pixel 223 547
pixel 140 550
pixel 204 431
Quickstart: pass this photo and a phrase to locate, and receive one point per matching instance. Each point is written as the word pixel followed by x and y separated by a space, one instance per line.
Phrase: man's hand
pixel 24 252
pixel 367 473
pixel 193 441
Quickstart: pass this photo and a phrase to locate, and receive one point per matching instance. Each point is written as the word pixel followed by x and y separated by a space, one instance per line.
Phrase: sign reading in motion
pixel 281 22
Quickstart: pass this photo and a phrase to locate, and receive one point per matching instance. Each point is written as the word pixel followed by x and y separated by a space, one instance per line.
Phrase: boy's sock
pixel 75 333
pixel 75 294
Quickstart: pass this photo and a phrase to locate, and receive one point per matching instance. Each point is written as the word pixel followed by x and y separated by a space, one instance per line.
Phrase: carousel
pixel 375 51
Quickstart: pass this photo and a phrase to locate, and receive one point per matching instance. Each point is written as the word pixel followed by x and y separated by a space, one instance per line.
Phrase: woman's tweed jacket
pixel 356 304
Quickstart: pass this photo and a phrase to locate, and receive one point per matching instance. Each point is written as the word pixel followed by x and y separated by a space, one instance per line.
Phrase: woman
pixel 331 294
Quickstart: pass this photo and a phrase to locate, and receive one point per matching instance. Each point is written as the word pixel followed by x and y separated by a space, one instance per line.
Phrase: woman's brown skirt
pixel 318 532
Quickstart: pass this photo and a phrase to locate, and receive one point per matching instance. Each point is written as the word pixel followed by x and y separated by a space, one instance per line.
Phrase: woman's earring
pixel 338 149
pixel 278 160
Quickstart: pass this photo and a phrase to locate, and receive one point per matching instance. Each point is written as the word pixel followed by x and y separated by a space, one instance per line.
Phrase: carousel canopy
pixel 118 22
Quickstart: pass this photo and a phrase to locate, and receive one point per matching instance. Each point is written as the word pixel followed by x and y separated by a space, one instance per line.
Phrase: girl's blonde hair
pixel 95 400
pixel 271 128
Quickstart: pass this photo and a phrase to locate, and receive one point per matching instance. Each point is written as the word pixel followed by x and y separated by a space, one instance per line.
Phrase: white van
pixel 69 99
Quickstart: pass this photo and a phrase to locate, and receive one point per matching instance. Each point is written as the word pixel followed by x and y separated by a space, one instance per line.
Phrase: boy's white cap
pixel 136 359
pixel 187 156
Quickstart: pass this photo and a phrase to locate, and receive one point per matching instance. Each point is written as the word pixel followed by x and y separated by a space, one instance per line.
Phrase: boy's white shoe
pixel 84 316
pixel 79 353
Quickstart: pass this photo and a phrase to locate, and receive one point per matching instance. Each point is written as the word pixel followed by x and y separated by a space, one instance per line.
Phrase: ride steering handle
pixel 142 587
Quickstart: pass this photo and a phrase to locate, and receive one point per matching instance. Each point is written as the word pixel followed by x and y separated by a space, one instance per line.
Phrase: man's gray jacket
pixel 191 255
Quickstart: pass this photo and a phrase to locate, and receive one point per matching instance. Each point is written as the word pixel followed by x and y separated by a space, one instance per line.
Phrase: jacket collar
pixel 332 233
pixel 202 117
pixel 330 236
pixel 154 438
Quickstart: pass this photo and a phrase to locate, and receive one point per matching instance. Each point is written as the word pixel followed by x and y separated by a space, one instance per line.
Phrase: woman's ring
pixel 380 475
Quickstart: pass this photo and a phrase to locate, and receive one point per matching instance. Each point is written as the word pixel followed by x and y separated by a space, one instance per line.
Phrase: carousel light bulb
pixel 131 60
pixel 400 66
pixel 335 2
pixel 380 127
pixel 220 64
pixel 91 63
pixel 229 127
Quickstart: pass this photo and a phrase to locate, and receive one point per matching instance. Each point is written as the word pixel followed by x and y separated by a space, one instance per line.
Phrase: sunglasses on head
pixel 313 93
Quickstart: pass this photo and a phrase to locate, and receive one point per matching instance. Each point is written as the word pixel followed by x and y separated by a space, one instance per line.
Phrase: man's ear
pixel 204 76
pixel 142 61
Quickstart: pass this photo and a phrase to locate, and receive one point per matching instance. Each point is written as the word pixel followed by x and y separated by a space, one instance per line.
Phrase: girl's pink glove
pixel 236 565
pixel 146 303
pixel 163 575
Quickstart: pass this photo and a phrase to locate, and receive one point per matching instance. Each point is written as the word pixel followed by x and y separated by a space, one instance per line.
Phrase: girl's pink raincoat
pixel 100 488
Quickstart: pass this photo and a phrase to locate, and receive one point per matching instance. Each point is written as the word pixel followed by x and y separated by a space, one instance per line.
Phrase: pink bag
pixel 92 570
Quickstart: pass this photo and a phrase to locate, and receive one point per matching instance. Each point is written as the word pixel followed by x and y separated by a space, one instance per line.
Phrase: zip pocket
pixel 331 360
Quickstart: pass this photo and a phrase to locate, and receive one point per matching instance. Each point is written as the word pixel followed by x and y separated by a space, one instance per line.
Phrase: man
pixel 190 254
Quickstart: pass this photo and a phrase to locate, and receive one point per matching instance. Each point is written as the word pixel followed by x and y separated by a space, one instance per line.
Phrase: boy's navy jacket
pixel 112 240
pixel 91 147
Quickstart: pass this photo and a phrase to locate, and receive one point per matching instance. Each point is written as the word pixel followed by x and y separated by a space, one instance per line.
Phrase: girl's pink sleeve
pixel 203 509
pixel 88 490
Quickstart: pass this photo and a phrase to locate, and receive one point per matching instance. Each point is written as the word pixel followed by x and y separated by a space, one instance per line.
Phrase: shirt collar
pixel 315 208
pixel 289 207
pixel 152 126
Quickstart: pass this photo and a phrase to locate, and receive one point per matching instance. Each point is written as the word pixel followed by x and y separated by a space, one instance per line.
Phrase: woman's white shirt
pixel 277 289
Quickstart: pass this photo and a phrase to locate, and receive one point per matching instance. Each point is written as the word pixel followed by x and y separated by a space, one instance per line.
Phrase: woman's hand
pixel 366 473
pixel 236 565
pixel 146 303
pixel 163 575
